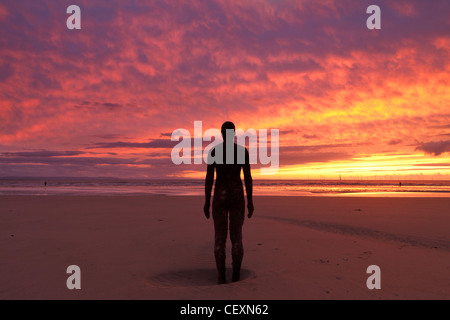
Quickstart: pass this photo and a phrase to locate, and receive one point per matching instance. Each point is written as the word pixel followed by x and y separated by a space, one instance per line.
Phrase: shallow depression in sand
pixel 193 278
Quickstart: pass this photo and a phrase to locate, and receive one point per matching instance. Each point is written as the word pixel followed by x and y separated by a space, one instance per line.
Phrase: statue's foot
pixel 221 279
pixel 236 275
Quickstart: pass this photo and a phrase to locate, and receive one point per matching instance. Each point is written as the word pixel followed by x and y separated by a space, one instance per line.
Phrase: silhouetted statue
pixel 228 201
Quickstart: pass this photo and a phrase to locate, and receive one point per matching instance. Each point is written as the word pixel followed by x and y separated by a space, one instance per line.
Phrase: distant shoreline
pixel 177 187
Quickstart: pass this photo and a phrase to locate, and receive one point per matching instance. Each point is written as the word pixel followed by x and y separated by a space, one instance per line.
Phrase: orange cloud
pixel 308 68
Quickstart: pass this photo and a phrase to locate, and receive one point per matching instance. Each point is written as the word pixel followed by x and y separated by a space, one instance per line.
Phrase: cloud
pixel 394 142
pixel 6 71
pixel 155 143
pixel 318 147
pixel 442 126
pixel 72 158
pixel 41 154
pixel 138 70
pixel 312 157
pixel 109 136
pixel 433 164
pixel 166 134
pixel 92 105
pixel 3 12
pixel 310 136
pixel 435 147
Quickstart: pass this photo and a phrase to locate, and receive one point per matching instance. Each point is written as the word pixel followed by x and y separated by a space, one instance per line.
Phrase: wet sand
pixel 161 247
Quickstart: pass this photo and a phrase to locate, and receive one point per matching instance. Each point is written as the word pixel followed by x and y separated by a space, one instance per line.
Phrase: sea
pixel 188 187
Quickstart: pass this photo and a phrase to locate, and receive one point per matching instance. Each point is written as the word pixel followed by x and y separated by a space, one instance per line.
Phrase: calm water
pixel 100 186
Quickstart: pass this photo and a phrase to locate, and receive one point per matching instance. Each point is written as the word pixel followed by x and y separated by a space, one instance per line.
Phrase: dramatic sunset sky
pixel 103 101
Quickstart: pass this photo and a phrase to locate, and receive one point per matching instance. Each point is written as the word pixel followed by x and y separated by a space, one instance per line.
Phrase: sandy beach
pixel 161 247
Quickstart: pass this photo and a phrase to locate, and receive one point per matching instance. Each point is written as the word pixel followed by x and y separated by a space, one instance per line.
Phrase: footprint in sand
pixel 365 255
pixel 322 260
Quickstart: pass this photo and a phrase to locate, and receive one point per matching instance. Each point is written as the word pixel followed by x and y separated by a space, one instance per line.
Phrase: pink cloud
pixel 138 69
pixel 435 147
